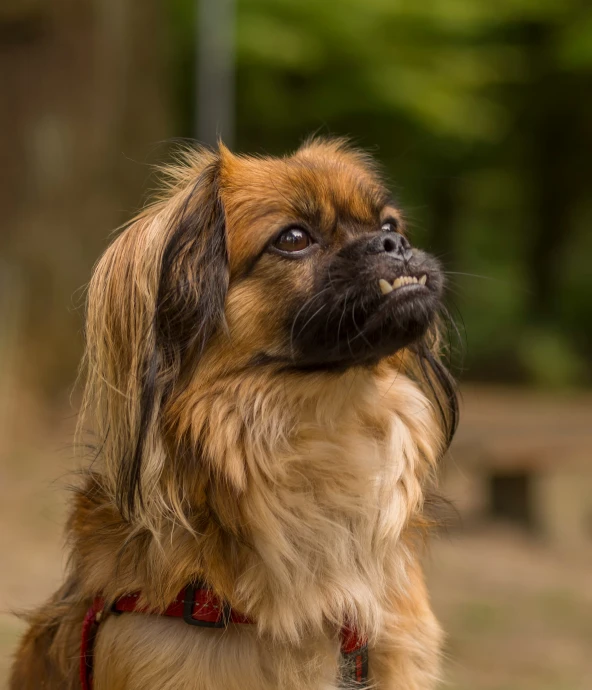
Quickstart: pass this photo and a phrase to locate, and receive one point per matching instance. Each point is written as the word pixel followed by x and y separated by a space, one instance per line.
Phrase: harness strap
pixel 90 627
pixel 198 605
pixel 354 655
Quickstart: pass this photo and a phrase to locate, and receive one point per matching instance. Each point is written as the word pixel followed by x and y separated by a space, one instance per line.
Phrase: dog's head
pixel 322 274
pixel 298 263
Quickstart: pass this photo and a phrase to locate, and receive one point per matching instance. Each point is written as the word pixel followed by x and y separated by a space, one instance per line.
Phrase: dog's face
pixel 321 272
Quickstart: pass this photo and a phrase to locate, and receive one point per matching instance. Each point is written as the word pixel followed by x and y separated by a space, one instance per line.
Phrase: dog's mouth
pixel 403 299
pixel 403 284
pixel 366 310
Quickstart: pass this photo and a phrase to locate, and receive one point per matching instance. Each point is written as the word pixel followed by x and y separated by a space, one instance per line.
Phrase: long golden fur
pixel 230 450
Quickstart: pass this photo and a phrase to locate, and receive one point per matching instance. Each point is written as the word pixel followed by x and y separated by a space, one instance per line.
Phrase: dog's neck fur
pixel 335 467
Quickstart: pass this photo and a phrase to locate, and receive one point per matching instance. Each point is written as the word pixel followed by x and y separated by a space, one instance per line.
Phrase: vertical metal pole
pixel 215 71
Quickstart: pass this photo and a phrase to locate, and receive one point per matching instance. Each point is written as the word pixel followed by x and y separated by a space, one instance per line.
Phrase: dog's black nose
pixel 391 243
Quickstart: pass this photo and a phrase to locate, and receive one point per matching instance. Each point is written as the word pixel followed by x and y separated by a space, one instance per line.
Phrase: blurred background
pixel 481 114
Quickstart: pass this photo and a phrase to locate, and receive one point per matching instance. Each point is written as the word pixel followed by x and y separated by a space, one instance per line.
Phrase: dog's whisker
pixel 341 319
pixel 306 305
pixel 318 311
pixel 472 275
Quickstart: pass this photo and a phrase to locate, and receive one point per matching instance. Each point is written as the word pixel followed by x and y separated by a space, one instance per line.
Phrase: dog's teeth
pixel 423 280
pixel 398 282
pixel 413 279
pixel 385 286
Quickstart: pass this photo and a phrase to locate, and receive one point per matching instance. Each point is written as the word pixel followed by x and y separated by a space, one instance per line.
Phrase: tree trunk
pixel 84 101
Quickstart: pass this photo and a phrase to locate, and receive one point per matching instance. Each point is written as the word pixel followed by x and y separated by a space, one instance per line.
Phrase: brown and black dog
pixel 264 381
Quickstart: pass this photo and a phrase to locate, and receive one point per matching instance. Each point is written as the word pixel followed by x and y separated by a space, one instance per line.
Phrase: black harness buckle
pixel 188 604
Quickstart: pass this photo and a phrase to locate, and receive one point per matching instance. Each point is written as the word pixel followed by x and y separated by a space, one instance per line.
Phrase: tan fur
pixel 297 496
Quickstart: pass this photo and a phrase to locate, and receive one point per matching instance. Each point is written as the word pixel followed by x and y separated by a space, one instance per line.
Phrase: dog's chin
pixel 362 333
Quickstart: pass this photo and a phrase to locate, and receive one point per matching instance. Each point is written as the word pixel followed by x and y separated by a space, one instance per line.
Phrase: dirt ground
pixel 518 612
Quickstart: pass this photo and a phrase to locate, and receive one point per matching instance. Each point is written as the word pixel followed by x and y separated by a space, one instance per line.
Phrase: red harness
pixel 198 605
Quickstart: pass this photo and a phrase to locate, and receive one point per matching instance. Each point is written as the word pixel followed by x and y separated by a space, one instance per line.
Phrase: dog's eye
pixel 390 226
pixel 293 240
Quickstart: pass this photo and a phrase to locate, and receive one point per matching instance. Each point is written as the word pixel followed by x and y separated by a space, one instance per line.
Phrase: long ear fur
pixel 425 366
pixel 155 299
pixel 438 383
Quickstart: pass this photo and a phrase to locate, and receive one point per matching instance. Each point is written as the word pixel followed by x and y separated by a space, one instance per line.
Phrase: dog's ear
pixel 193 273
pixel 156 298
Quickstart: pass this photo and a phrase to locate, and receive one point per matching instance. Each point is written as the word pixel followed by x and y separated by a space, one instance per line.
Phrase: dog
pixel 265 385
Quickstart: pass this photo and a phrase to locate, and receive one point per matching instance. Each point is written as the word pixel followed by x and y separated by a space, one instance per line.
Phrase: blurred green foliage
pixel 481 113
